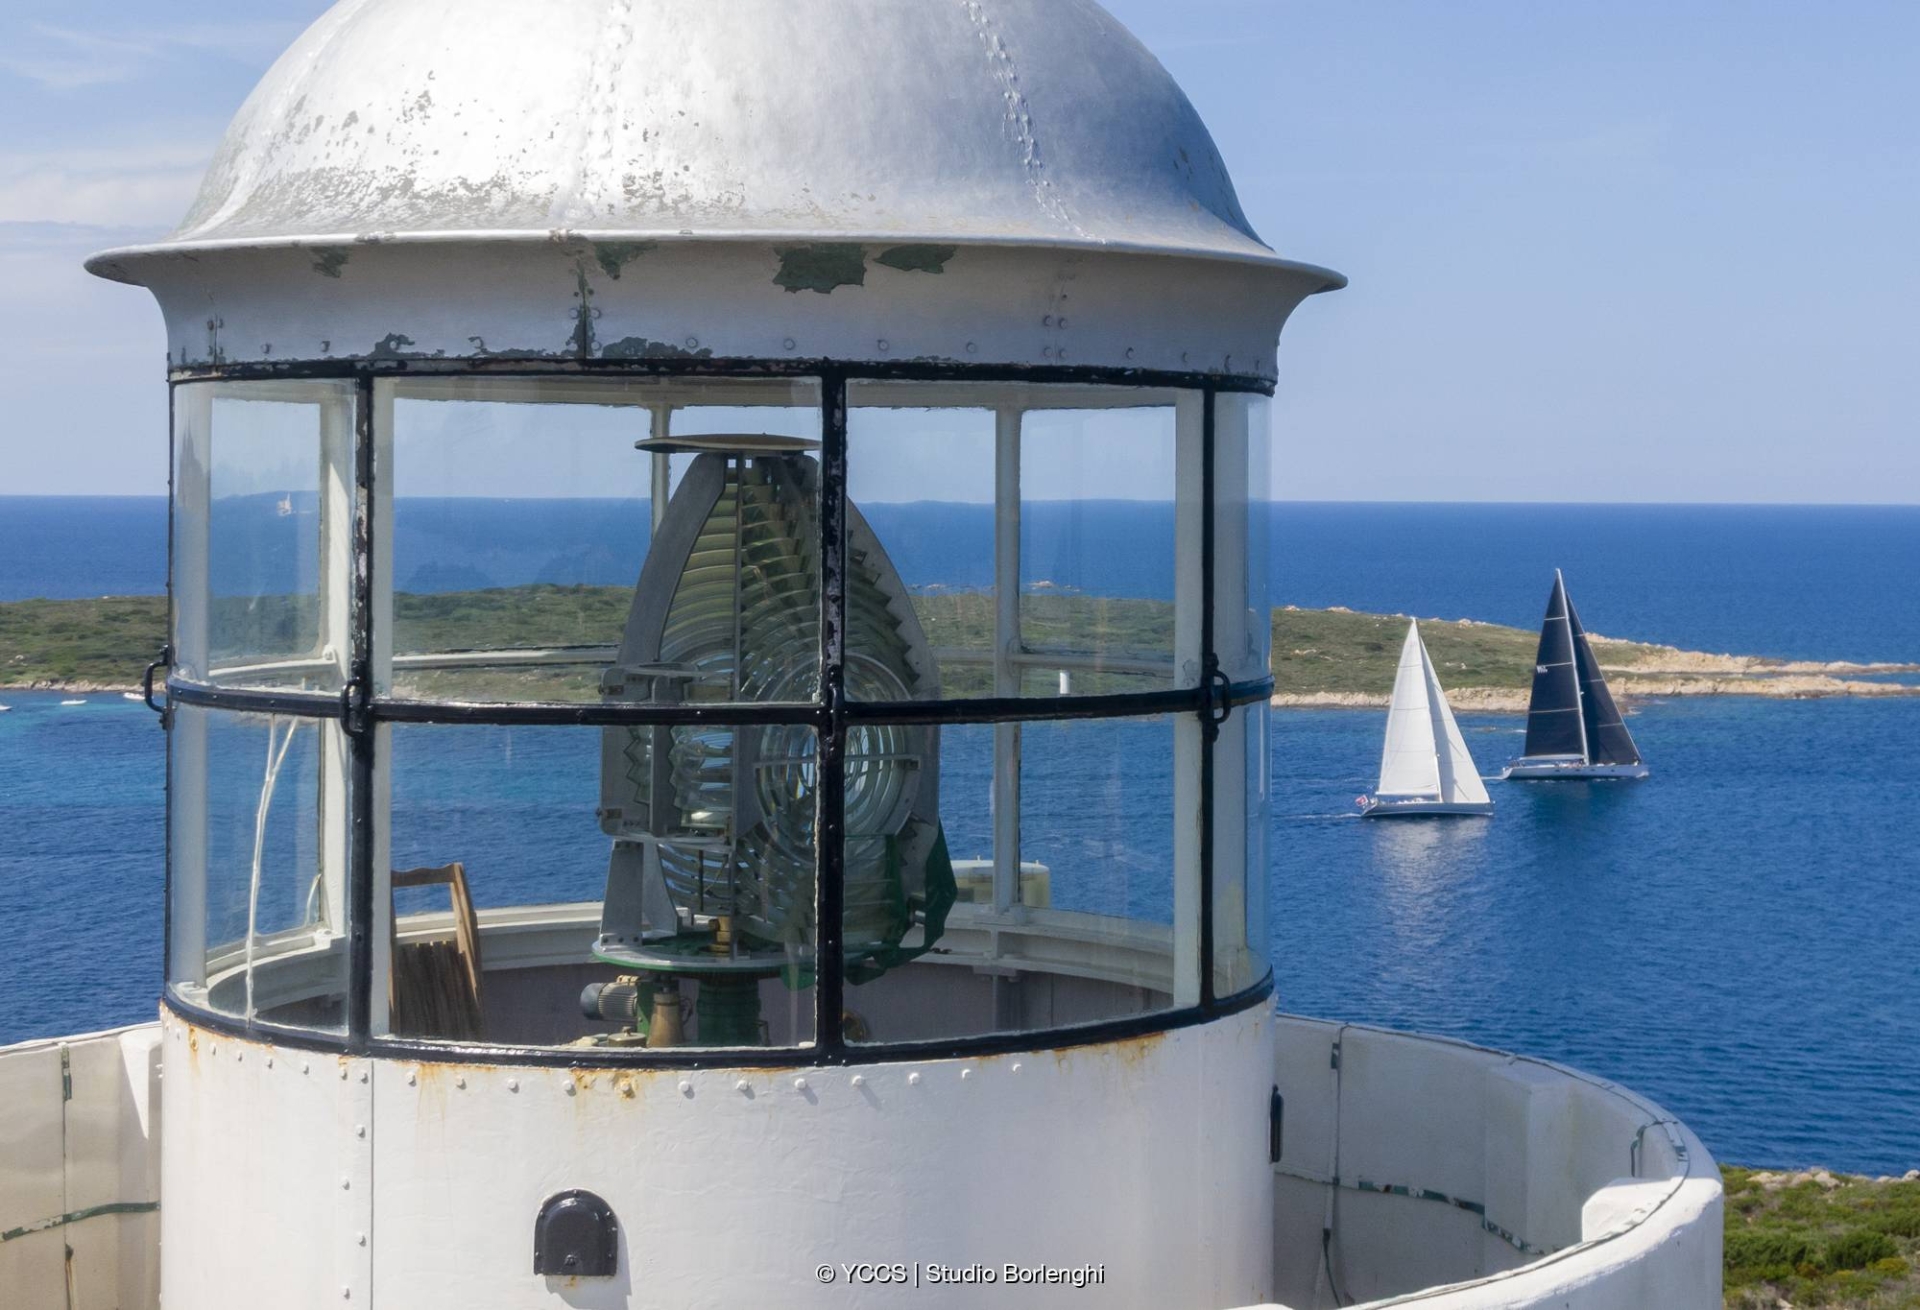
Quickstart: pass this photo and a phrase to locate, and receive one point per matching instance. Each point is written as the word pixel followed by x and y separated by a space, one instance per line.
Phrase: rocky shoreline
pixel 78 686
pixel 1773 1180
pixel 1637 671
pixel 1499 700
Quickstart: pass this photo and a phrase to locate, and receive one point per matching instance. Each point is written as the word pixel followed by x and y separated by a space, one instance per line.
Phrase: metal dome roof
pixel 977 183
pixel 992 122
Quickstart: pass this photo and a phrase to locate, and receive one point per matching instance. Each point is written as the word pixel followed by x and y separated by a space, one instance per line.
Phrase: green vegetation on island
pixel 1320 657
pixel 84 644
pixel 1340 652
pixel 1820 1239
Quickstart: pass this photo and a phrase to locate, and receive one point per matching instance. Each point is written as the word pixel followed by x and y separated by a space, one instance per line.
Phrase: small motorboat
pixel 1574 728
pixel 1425 767
pixel 73 702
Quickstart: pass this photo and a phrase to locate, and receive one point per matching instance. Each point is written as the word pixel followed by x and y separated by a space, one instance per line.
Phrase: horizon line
pixel 1117 500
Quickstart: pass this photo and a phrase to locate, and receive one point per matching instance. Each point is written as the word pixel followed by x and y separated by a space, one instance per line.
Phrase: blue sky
pixel 1599 251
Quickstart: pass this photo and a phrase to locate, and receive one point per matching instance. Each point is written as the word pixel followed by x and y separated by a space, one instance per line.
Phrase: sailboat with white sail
pixel 1425 767
pixel 1574 727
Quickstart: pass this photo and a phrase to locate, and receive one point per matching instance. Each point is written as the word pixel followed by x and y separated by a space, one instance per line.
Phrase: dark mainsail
pixel 1555 725
pixel 1608 741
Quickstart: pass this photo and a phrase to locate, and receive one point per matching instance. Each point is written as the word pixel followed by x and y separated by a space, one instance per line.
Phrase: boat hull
pixel 1526 770
pixel 1411 809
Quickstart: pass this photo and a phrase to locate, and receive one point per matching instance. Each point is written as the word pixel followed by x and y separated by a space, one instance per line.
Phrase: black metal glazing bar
pixel 1030 709
pixel 166 720
pixel 903 371
pixel 361 730
pixel 596 714
pixel 248 700
pixel 831 783
pixel 415 1048
pixel 1210 669
pixel 980 709
pixel 1248 693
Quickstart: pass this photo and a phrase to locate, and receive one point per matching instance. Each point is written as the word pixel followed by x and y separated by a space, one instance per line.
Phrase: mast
pixel 1579 701
pixel 1437 713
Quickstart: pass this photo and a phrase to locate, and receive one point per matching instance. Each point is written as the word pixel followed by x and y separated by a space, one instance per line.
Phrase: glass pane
pixel 1243 436
pixel 1243 633
pixel 1100 541
pixel 921 529
pixel 263 523
pixel 613 902
pixel 1243 817
pixel 529 562
pixel 1032 531
pixel 951 934
pixel 259 866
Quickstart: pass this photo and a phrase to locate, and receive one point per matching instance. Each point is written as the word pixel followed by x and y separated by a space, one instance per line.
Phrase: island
pixel 1333 657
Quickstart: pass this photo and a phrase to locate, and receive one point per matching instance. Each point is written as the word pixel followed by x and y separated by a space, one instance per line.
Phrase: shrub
pixel 1768 1249
pixel 1859 1247
pixel 1902 1221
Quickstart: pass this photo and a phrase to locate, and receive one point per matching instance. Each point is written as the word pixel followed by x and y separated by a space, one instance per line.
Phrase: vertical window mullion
pixel 189 548
pixel 359 727
pixel 166 719
pixel 333 814
pixel 1006 644
pixel 376 683
pixel 1189 650
pixel 830 793
pixel 1210 668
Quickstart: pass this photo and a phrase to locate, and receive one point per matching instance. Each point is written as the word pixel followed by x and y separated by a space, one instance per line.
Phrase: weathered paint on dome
pixel 905 121
pixel 979 182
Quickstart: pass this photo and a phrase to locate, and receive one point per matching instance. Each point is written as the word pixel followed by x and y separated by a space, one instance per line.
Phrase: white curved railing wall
pixel 80 1172
pixel 1419 1170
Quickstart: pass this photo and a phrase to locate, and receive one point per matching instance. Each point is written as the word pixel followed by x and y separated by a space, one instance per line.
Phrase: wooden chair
pixel 434 989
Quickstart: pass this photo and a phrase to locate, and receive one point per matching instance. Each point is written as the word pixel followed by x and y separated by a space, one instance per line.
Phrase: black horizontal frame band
pixel 596 714
pixel 1037 709
pixel 309 704
pixel 1246 693
pixel 986 709
pixel 789 1057
pixel 1025 709
pixel 737 369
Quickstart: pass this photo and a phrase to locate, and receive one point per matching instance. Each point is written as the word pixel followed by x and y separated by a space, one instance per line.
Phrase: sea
pixel 1737 937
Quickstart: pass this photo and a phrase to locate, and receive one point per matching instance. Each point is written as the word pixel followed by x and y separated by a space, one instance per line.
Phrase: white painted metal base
pixel 1465 1177
pixel 416 1184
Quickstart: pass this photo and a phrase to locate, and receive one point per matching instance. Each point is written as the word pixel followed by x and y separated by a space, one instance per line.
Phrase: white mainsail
pixel 1424 756
pixel 1409 762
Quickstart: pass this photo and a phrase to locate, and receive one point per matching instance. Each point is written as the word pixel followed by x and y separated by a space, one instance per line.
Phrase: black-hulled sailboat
pixel 1574 728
